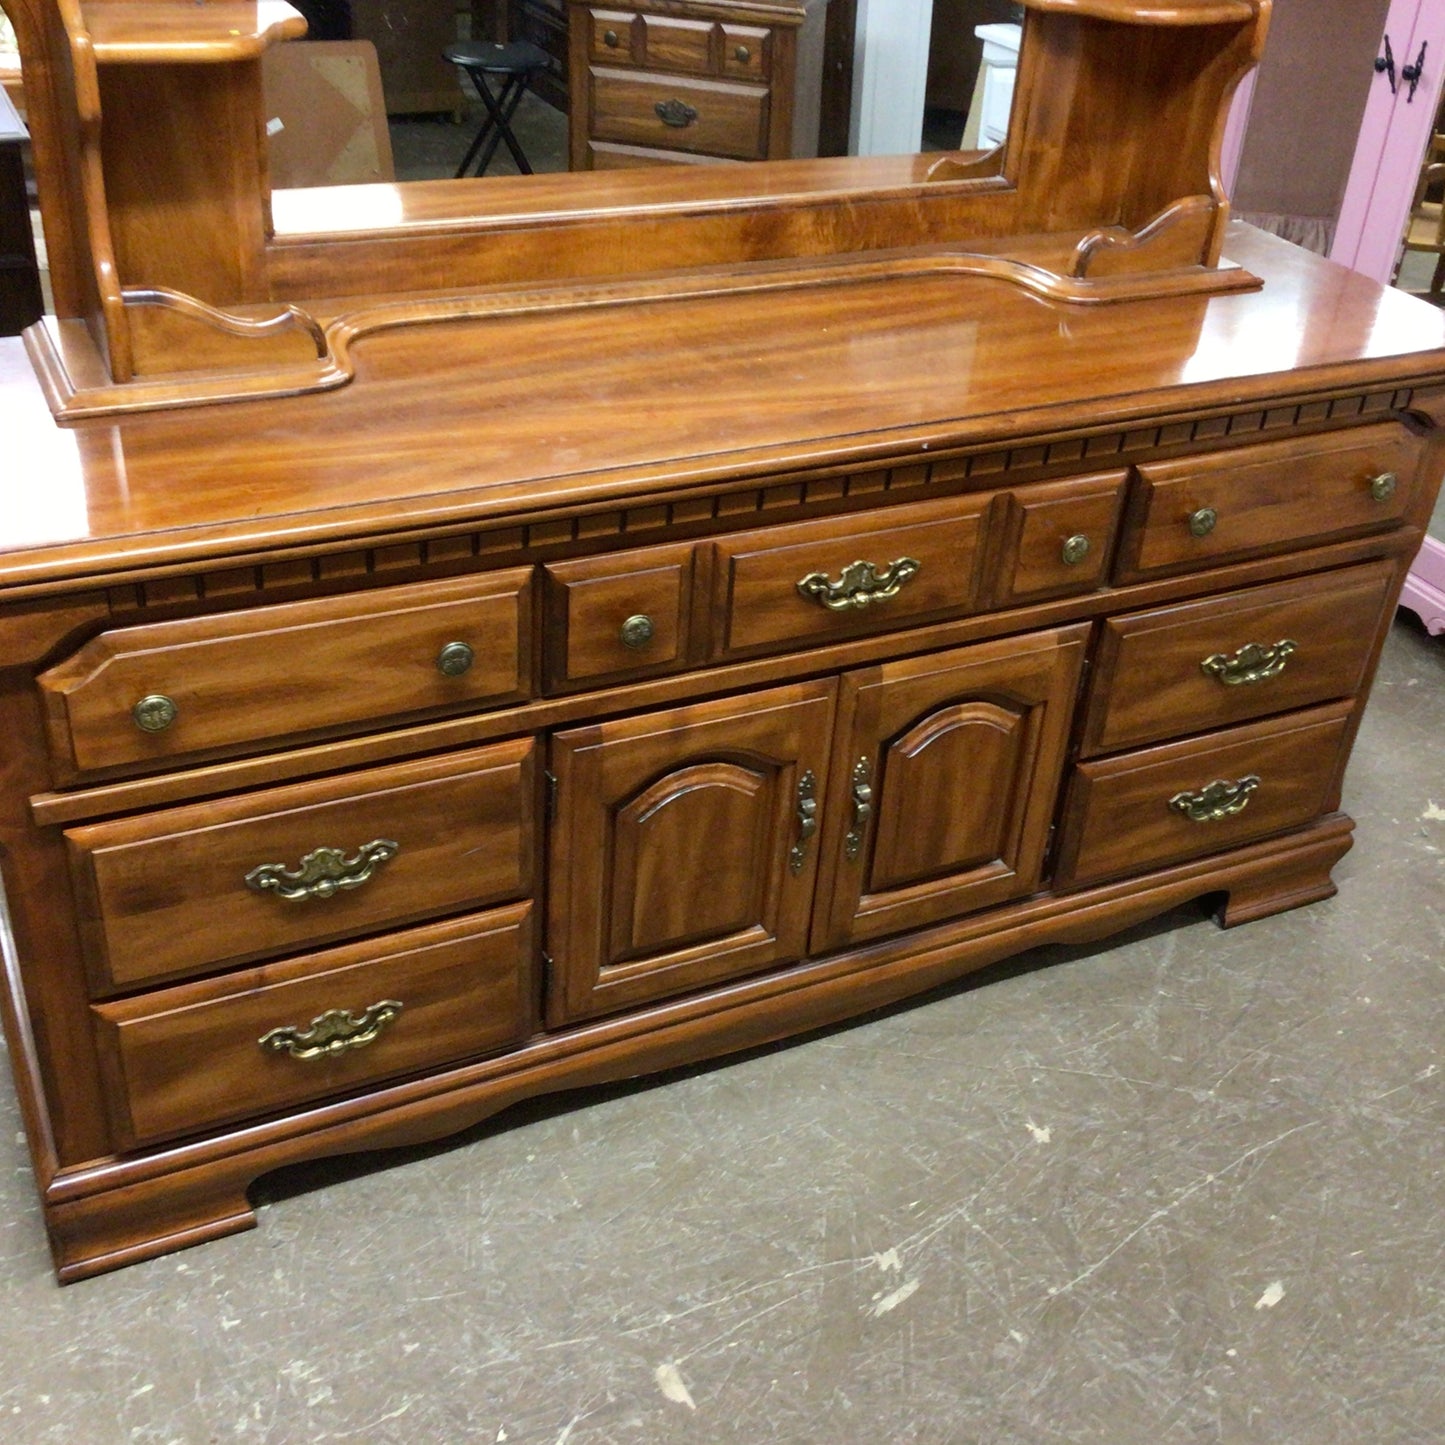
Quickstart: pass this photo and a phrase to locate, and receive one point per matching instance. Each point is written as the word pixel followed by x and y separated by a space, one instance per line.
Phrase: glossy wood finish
pixel 166 894
pixel 190 1057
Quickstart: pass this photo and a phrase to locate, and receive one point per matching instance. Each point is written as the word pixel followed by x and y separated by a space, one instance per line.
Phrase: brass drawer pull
pixel 637 632
pixel 859 586
pixel 742 55
pixel 455 659
pixel 610 39
pixel 1252 663
pixel 807 820
pixel 154 713
pixel 337 1031
pixel 1221 799
pixel 322 873
pixel 862 809
pixel 1202 522
pixel 1076 549
pixel 1383 487
pixel 676 113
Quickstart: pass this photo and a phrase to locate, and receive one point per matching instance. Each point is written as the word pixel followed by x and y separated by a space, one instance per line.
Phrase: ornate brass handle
pixel 807 820
pixel 1382 487
pixel 154 713
pixel 862 809
pixel 676 113
pixel 1221 799
pixel 1202 522
pixel 1252 663
pixel 335 1032
pixel 859 586
pixel 322 873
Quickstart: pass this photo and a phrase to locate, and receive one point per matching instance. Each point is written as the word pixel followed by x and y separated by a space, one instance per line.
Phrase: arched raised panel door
pixel 951 767
pixel 684 848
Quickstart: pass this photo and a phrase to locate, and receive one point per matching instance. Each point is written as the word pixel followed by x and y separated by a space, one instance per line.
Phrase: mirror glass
pixel 371 96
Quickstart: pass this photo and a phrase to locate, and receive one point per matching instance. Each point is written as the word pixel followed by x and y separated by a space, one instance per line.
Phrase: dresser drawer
pixel 715 117
pixel 669 42
pixel 1058 538
pixel 783 586
pixel 188 889
pixel 1202 510
pixel 181 1060
pixel 622 615
pixel 1130 813
pixel 138 695
pixel 1202 665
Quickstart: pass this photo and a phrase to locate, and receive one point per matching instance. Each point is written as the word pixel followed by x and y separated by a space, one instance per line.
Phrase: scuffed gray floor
pixel 1187 1188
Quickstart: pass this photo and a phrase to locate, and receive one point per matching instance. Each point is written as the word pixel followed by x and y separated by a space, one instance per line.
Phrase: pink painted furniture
pixel 1424 592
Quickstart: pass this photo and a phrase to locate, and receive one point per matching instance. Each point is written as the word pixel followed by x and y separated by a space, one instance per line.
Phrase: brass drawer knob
pixel 1252 663
pixel 455 659
pixel 675 113
pixel 861 584
pixel 322 873
pixel 1076 549
pixel 742 55
pixel 637 632
pixel 154 713
pixel 1221 799
pixel 1383 487
pixel 337 1031
pixel 610 39
pixel 1202 522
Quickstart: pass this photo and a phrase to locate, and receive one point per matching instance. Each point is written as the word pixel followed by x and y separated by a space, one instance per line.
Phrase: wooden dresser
pixel 667 82
pixel 562 682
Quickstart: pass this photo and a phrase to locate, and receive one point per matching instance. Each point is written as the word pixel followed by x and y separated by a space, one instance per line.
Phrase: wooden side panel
pixel 944 783
pixel 683 850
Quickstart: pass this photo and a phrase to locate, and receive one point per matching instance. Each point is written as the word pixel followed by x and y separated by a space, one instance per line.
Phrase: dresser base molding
pixel 109 1214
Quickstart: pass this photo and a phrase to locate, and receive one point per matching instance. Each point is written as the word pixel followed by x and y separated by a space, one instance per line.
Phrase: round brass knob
pixel 610 38
pixel 154 713
pixel 1382 488
pixel 743 54
pixel 637 632
pixel 1201 523
pixel 455 659
pixel 1076 549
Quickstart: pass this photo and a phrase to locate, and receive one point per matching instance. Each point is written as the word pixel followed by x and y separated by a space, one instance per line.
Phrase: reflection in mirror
pixel 371 95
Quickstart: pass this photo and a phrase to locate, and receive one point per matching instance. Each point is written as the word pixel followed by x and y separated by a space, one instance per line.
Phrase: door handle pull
pixel 1412 74
pixel 1385 65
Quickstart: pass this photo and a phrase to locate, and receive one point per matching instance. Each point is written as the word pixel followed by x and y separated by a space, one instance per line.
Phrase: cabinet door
pixel 683 849
pixel 944 780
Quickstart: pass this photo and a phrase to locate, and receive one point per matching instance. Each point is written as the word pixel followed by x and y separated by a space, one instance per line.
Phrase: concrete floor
pixel 1186 1188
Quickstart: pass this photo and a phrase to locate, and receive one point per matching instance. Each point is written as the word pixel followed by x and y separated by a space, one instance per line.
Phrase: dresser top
pixel 461 422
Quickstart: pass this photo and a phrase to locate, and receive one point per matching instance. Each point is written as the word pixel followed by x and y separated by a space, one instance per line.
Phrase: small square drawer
pixel 184 1059
pixel 1199 511
pixel 715 117
pixel 190 889
pixel 1162 805
pixel 1058 538
pixel 659 42
pixel 622 615
pixel 139 695
pixel 746 52
pixel 1201 665
pixel 786 586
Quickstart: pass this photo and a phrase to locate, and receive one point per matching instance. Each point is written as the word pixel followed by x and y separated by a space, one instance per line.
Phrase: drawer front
pixel 618 616
pixel 790 585
pixel 713 117
pixel 746 52
pixel 1122 815
pixel 144 694
pixel 179 891
pixel 669 42
pixel 1058 539
pixel 184 1059
pixel 1202 510
pixel 1202 665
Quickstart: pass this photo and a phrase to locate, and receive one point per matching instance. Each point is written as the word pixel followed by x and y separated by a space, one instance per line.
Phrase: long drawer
pixel 190 889
pixel 180 1060
pixel 715 117
pixel 152 693
pixel 1202 665
pixel 1142 810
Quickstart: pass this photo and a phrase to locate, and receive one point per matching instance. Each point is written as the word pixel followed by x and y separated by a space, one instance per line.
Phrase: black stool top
pixel 520 57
